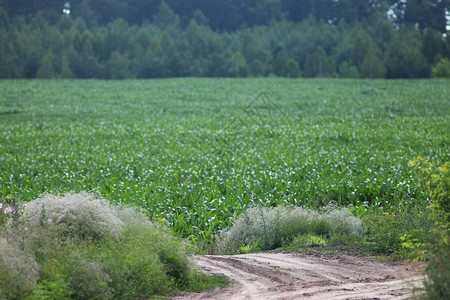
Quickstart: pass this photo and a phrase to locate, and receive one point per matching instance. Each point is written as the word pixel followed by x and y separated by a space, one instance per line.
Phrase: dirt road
pixel 309 276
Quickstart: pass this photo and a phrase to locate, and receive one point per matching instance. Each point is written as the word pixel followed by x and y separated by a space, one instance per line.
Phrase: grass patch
pixel 309 240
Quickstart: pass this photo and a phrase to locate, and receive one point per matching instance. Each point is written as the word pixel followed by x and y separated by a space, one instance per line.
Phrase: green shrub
pixel 441 69
pixel 394 232
pixel 82 277
pixel 384 232
pixel 76 246
pixel 57 288
pixel 436 182
pixel 437 285
pixel 270 228
pixel 147 261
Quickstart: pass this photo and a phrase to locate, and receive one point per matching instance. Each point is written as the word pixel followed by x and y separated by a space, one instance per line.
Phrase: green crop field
pixel 196 151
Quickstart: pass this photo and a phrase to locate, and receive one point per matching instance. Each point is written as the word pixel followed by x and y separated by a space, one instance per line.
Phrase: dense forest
pixel 116 39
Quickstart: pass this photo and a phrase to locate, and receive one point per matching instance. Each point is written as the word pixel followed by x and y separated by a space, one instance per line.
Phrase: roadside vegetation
pixel 79 247
pixel 417 233
pixel 261 228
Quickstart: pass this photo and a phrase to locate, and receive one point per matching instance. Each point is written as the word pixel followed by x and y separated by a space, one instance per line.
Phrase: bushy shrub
pixel 149 255
pixel 270 228
pixel 81 276
pixel 436 182
pixel 18 270
pixel 77 246
pixel 441 69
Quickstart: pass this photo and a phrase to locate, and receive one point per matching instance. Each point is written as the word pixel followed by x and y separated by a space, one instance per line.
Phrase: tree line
pixel 230 15
pixel 361 42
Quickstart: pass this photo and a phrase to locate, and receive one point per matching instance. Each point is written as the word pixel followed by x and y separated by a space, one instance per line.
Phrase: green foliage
pixel 256 52
pixel 66 73
pixel 436 182
pixel 372 65
pixel 118 66
pixel 54 289
pixel 173 44
pixel 181 148
pixel 9 61
pixel 403 57
pixel 437 286
pixel 433 45
pixel 165 16
pixel 238 65
pixel 318 64
pixel 138 259
pixel 46 69
pixel 384 233
pixel 401 233
pixel 413 247
pixel 253 247
pixel 349 70
pixel 285 66
pixel 4 18
pixel 441 69
pixel 201 282
pixel 134 267
pixel 309 240
pixel 232 14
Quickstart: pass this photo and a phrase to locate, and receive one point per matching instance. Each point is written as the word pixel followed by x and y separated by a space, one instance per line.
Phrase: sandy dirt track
pixel 313 275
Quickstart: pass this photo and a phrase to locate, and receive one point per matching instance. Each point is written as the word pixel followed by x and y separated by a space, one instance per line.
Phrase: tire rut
pixel 308 276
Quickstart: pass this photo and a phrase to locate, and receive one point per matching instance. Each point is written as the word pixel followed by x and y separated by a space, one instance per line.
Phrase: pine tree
pixel 118 66
pixel 65 68
pixel 238 65
pixel 318 64
pixel 348 70
pixel 285 66
pixel 166 17
pixel 4 19
pixel 372 65
pixel 46 68
pixel 432 45
pixel 256 52
pixel 441 69
pixel 8 59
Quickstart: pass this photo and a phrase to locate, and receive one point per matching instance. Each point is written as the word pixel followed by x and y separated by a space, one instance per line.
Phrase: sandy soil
pixel 309 276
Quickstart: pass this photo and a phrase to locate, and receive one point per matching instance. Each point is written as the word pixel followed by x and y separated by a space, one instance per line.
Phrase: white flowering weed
pixel 18 270
pixel 269 228
pixel 81 214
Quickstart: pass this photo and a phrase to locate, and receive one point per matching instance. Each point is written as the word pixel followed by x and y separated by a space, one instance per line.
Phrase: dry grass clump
pixel 268 228
pixel 80 214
